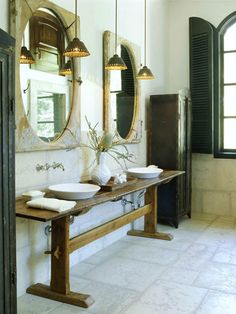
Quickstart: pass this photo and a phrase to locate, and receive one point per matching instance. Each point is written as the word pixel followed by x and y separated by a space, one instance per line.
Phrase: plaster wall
pixel 4 16
pixel 213 180
pixel 95 18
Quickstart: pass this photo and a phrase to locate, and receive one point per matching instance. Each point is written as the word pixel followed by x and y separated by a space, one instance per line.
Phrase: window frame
pixel 219 151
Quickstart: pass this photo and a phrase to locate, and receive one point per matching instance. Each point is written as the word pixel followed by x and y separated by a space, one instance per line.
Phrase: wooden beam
pixel 156 235
pixel 98 232
pixel 150 220
pixel 60 256
pixel 74 298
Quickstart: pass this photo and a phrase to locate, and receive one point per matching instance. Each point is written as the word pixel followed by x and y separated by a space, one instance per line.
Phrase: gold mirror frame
pixel 134 135
pixel 26 138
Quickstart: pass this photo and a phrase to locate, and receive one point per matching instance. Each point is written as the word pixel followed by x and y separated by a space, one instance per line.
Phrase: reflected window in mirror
pixel 47 41
pixel 46 94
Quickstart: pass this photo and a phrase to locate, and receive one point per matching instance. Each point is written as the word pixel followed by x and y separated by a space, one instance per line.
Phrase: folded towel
pixel 51 204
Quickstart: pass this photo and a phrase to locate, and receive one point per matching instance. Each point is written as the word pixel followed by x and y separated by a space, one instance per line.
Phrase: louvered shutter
pixel 201 35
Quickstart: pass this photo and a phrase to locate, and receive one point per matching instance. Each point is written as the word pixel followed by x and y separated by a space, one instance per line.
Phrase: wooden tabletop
pixel 84 205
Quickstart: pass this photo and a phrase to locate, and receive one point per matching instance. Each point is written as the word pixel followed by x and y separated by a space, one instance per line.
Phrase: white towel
pixel 51 204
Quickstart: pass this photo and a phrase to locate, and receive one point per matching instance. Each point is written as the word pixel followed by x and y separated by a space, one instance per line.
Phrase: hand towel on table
pixel 51 204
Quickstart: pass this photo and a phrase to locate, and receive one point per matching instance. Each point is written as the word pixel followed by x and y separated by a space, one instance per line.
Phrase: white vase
pixel 101 174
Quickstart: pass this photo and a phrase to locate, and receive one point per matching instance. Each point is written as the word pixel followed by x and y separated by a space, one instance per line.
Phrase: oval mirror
pixel 45 92
pixel 122 91
pixel 47 102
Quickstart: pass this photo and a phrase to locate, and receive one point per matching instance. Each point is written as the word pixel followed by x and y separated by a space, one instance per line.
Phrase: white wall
pixel 96 17
pixel 213 180
pixel 4 15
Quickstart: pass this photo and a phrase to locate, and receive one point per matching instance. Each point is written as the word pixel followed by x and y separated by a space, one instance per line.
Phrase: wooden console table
pixel 62 245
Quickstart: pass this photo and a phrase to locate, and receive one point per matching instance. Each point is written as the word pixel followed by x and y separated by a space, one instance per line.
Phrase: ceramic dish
pixel 144 172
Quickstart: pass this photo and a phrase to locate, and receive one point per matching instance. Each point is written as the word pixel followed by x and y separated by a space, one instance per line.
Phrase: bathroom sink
pixel 144 172
pixel 74 191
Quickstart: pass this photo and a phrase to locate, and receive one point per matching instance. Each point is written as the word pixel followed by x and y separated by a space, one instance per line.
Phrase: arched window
pixel 213 86
pixel 225 114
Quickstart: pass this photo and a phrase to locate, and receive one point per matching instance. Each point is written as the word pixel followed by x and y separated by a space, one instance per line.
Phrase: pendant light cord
pixel 116 16
pixel 145 32
pixel 29 7
pixel 76 18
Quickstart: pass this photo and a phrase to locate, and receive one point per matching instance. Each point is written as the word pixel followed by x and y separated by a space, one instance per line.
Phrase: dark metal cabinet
pixel 169 147
pixel 7 177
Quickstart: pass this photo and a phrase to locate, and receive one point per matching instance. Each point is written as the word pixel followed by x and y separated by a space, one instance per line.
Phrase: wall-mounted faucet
pixel 47 166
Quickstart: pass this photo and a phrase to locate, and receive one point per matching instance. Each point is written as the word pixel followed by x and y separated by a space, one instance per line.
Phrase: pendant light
pixel 145 73
pixel 76 48
pixel 66 69
pixel 116 62
pixel 25 54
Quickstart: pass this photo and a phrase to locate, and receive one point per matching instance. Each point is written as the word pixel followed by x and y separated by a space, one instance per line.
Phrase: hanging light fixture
pixel 145 73
pixel 116 62
pixel 76 48
pixel 25 54
pixel 66 69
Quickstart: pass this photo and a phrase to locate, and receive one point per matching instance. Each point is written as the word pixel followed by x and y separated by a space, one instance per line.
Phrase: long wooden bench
pixel 62 245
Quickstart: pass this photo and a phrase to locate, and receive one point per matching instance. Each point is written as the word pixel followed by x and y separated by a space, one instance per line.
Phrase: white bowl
pixel 144 172
pixel 74 191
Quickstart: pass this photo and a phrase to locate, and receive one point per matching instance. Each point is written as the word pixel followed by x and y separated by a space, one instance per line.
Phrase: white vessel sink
pixel 74 191
pixel 144 172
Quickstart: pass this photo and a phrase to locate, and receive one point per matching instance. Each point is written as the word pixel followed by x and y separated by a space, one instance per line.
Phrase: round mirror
pixel 46 93
pixel 122 95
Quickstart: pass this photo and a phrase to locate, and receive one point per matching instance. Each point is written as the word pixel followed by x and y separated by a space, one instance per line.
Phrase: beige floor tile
pixel 168 298
pixel 218 303
pixel 159 255
pixel 30 304
pixel 127 273
pixel 218 276
pixel 196 257
pixel 108 298
pixel 179 275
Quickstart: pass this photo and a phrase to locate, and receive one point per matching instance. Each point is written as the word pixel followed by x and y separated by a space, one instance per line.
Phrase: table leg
pixel 150 219
pixel 59 288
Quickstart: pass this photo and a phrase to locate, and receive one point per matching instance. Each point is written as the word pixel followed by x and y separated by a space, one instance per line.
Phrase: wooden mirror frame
pixel 26 138
pixel 134 135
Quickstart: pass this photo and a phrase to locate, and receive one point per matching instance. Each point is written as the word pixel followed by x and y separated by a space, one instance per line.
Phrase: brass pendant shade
pixel 116 62
pixel 145 73
pixel 66 69
pixel 76 48
pixel 26 56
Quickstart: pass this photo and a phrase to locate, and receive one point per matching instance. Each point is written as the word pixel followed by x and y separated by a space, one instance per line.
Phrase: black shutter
pixel 201 35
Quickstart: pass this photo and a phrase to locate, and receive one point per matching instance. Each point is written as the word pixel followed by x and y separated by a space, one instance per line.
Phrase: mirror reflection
pixel 45 92
pixel 122 95
pixel 122 90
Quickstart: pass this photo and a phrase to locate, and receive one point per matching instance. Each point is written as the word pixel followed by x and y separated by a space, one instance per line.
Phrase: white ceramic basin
pixel 144 172
pixel 74 191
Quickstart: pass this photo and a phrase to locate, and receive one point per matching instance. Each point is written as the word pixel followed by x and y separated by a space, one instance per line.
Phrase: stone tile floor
pixel 193 273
